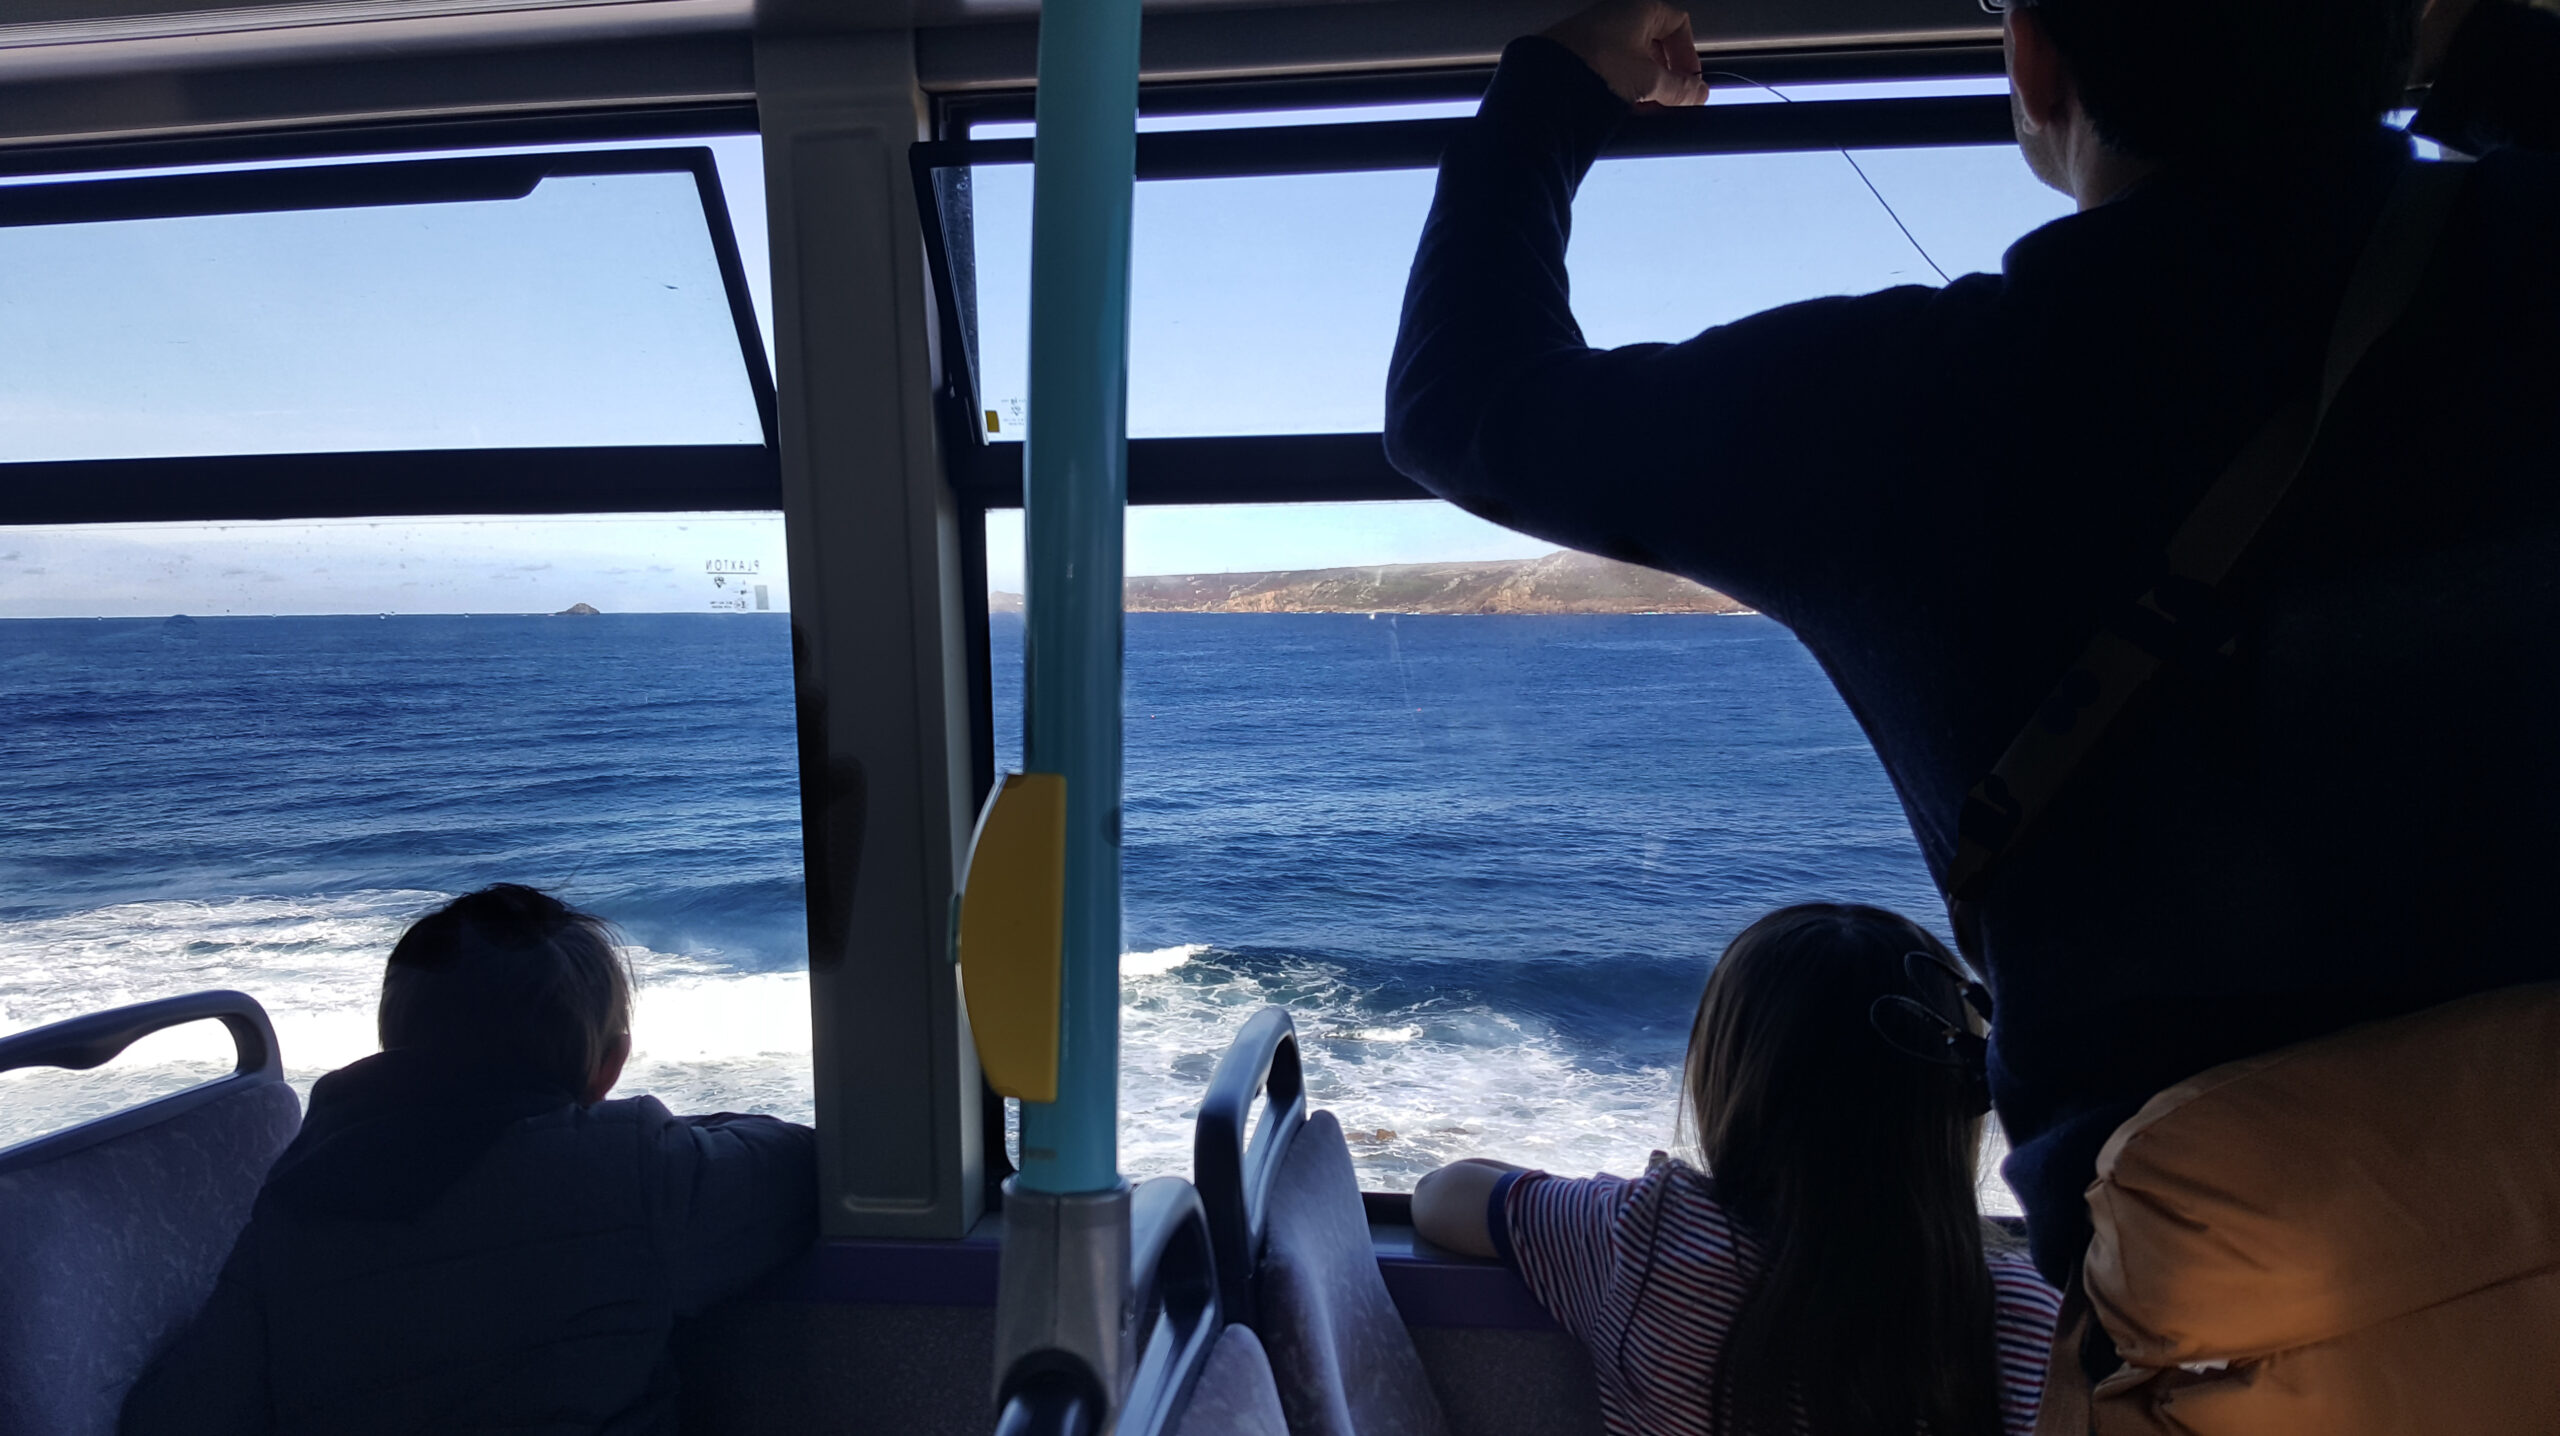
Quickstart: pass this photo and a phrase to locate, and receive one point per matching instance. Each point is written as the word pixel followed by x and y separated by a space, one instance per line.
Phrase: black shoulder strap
pixel 2005 806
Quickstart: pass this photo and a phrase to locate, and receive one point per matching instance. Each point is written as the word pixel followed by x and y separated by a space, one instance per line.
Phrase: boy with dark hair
pixel 467 1236
pixel 2338 800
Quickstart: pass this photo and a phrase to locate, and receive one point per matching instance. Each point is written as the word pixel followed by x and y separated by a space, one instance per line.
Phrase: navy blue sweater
pixel 451 1248
pixel 1945 492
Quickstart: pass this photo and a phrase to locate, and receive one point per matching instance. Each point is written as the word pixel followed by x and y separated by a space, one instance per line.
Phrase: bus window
pixel 1481 814
pixel 247 755
pixel 490 302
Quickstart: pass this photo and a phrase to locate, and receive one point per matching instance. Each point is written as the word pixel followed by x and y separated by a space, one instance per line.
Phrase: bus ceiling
pixel 85 71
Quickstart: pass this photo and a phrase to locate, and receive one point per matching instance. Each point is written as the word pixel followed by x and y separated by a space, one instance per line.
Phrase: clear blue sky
pixel 589 313
pixel 620 563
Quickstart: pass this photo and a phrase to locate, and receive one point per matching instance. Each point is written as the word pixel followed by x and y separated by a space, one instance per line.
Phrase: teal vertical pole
pixel 1075 485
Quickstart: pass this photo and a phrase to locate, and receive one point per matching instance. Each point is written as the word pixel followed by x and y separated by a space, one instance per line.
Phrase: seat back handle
pixel 1174 1309
pixel 1233 1162
pixel 97 1038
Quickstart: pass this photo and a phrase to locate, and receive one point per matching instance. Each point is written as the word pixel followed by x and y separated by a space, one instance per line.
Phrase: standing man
pixel 2337 808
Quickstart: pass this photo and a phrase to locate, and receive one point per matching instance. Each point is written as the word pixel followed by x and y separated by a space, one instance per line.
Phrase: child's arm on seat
pixel 1451 1207
pixel 753 1203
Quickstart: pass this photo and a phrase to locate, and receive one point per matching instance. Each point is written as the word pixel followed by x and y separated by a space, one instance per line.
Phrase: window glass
pixel 589 312
pixel 738 160
pixel 1483 845
pixel 1267 305
pixel 248 755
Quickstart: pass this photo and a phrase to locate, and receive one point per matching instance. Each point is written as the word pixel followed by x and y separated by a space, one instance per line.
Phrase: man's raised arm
pixel 1495 402
pixel 1488 298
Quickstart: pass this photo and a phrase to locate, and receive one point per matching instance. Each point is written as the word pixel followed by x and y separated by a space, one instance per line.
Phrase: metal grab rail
pixel 1235 1174
pixel 81 1043
pixel 1063 1292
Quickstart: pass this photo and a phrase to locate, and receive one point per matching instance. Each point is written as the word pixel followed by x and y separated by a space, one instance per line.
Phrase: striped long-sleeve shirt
pixel 1649 1273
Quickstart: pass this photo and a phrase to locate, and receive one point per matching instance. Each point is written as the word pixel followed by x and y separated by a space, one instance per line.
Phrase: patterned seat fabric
pixel 1345 1363
pixel 109 1250
pixel 1236 1395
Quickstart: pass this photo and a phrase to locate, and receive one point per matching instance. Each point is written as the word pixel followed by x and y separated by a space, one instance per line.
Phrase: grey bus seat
pixel 1237 1394
pixel 1293 1246
pixel 112 1232
pixel 1345 1363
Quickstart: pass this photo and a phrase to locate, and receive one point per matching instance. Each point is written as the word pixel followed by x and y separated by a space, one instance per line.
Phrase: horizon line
pixel 390 613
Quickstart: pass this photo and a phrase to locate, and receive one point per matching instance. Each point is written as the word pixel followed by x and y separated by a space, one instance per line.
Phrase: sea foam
pixel 1413 1091
pixel 1414 1087
pixel 1159 961
pixel 704 1037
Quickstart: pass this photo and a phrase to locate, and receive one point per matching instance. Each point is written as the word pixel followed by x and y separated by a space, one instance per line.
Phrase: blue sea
pixel 1485 860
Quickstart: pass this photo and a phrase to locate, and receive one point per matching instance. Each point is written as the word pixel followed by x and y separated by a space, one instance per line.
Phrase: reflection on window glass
pixel 247 755
pixel 590 312
pixel 1479 813
pixel 1268 305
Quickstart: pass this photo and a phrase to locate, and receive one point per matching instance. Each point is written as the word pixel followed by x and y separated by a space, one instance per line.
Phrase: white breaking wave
pixel 1406 1033
pixel 704 1038
pixel 1412 1092
pixel 1411 1095
pixel 1159 961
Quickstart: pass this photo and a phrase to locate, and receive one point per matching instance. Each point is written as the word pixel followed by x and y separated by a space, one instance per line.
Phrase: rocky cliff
pixel 1558 583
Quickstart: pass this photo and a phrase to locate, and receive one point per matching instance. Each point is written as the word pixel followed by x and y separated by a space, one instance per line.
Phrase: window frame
pixel 399 483
pixel 958 113
pixel 568 479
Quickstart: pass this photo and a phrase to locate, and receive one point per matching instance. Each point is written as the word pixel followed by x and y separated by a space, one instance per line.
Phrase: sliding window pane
pixel 589 311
